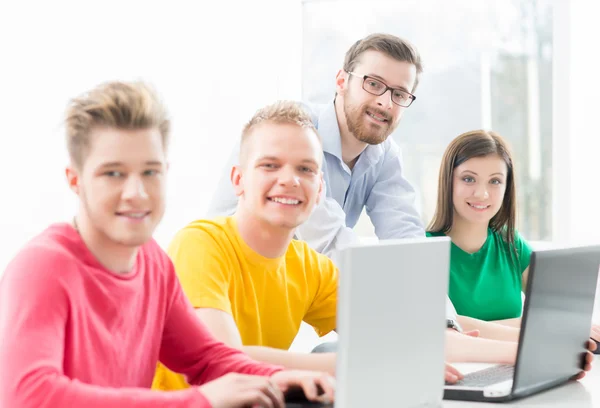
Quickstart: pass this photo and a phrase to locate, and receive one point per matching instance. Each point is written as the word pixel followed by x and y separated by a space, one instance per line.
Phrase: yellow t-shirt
pixel 268 298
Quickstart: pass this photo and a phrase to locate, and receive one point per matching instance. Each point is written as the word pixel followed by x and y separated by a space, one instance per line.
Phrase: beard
pixel 362 130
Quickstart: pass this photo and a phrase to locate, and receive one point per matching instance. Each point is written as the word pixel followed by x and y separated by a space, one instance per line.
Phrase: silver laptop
pixel 556 323
pixel 391 321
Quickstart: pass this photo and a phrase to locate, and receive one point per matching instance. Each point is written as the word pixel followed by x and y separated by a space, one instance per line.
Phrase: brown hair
pixel 477 143
pixel 119 105
pixel 280 112
pixel 392 46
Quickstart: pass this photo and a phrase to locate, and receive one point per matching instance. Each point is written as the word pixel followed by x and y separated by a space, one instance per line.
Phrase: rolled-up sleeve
pixel 391 201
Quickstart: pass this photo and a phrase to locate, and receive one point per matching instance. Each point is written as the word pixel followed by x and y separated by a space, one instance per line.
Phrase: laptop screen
pixel 557 316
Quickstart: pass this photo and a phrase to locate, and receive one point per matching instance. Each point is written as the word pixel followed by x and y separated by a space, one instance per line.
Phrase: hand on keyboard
pixel 452 375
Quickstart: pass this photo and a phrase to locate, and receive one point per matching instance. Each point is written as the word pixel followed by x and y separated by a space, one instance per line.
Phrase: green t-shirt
pixel 486 285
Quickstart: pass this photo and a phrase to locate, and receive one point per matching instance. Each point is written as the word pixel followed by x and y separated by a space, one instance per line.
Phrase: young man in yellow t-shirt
pixel 251 283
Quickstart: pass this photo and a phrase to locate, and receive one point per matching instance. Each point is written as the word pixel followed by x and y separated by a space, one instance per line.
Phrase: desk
pixel 575 394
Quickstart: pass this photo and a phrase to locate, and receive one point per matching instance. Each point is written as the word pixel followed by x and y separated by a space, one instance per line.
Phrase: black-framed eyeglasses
pixel 377 87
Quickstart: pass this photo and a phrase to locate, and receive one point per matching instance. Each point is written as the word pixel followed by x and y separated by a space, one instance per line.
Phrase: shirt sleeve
pixel 189 348
pixel 391 202
pixel 323 310
pixel 524 252
pixel 34 308
pixel 203 268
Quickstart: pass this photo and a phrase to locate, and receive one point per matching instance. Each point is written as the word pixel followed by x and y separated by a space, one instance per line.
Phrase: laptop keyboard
pixel 489 376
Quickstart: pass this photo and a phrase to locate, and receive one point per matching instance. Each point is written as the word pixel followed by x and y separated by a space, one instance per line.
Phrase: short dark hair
pixel 395 47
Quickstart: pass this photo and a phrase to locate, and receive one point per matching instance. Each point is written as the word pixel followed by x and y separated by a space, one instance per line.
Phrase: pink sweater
pixel 73 334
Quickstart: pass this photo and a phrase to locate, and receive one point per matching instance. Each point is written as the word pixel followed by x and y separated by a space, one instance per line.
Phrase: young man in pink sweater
pixel 88 308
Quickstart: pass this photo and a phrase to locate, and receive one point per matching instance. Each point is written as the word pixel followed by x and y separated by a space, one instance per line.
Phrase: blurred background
pixel 524 68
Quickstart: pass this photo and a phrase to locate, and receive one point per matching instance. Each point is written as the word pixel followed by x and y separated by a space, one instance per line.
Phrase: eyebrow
pixel 273 158
pixel 475 174
pixel 268 158
pixel 310 161
pixel 383 80
pixel 118 164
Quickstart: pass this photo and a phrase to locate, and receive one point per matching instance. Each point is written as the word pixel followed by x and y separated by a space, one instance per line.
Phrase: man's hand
pixel 589 357
pixel 452 375
pixel 317 386
pixel 242 390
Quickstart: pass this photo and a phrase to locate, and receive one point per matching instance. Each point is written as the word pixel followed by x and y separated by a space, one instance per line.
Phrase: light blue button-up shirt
pixel 376 182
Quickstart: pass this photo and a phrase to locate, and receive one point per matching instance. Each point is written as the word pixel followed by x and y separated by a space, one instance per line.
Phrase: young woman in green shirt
pixel 476 208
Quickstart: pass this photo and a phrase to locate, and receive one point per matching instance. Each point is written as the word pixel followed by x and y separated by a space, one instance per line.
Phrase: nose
pixel 288 177
pixel 134 189
pixel 481 191
pixel 385 100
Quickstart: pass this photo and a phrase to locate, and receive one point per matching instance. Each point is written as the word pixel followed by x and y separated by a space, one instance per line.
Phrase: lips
pixel 378 115
pixel 479 206
pixel 138 215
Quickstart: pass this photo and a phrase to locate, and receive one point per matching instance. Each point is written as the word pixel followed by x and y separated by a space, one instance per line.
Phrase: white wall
pixel 214 63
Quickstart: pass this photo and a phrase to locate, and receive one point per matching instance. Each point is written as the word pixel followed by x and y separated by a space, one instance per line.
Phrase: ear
pixel 72 178
pixel 321 190
pixel 341 82
pixel 237 180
